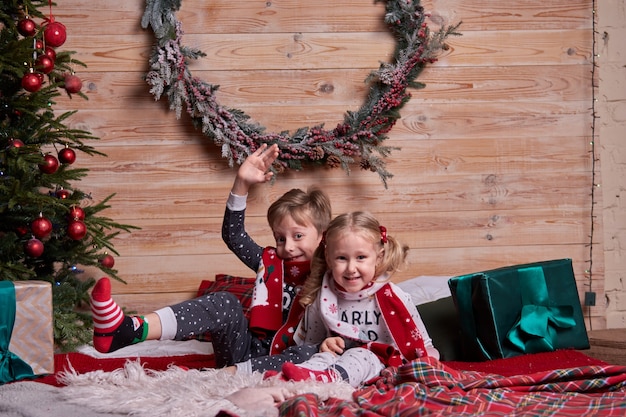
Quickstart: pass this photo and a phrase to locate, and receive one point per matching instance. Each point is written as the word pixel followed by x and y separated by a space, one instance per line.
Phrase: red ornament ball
pixel 34 248
pixel 63 194
pixel 50 53
pixel 73 84
pixel 107 261
pixel 31 82
pixel 54 34
pixel 26 27
pixel 39 45
pixel 21 231
pixel 49 165
pixel 77 213
pixel 76 230
pixel 67 155
pixel 16 143
pixel 41 227
pixel 44 64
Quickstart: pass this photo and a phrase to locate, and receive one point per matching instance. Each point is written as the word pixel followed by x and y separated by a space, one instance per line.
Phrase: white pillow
pixel 424 289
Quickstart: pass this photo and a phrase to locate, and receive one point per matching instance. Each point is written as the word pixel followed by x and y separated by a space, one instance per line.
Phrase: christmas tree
pixel 49 229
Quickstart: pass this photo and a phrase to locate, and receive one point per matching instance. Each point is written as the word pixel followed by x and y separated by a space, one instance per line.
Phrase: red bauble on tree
pixel 76 229
pixel 15 143
pixel 44 64
pixel 67 155
pixel 63 194
pixel 77 213
pixel 54 34
pixel 49 165
pixel 73 84
pixel 41 227
pixel 107 261
pixel 33 248
pixel 31 82
pixel 27 27
pixel 50 53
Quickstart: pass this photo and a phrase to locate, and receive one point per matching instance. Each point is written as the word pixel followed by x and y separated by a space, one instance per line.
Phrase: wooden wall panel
pixel 493 166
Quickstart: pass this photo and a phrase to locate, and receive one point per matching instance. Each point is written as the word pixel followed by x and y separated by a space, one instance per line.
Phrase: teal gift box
pixel 26 336
pixel 519 309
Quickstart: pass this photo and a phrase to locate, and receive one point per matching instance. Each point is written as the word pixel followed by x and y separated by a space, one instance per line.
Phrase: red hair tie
pixel 323 241
pixel 383 234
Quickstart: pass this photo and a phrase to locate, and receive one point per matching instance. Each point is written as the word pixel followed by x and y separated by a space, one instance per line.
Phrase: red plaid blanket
pixel 431 388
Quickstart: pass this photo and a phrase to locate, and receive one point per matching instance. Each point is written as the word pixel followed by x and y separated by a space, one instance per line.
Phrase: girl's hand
pixel 334 345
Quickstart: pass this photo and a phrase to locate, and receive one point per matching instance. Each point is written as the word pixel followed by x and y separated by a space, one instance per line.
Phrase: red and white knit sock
pixel 111 329
pixel 293 372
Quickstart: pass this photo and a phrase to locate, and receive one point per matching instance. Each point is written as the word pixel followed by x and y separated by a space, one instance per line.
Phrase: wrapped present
pixel 519 309
pixel 26 338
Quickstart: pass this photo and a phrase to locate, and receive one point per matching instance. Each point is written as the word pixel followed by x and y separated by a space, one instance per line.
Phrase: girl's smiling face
pixel 352 260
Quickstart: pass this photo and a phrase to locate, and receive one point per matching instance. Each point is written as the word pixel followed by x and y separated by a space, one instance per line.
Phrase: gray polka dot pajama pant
pixel 221 315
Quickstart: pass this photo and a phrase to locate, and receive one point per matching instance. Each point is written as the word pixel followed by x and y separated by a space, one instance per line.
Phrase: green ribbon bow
pixel 12 367
pixel 536 330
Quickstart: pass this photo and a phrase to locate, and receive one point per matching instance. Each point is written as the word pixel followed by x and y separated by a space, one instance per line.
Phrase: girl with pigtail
pixel 361 320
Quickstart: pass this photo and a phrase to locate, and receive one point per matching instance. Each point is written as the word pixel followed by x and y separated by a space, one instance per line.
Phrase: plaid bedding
pixel 430 388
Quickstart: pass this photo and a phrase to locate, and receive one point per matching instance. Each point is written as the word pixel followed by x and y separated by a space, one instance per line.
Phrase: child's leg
pixel 112 329
pixel 359 365
pixel 355 365
pixel 293 354
pixel 220 315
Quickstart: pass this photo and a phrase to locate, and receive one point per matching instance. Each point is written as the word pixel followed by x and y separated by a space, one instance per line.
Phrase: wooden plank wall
pixel 494 170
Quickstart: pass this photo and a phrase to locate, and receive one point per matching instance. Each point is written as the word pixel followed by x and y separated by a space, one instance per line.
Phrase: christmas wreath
pixel 358 139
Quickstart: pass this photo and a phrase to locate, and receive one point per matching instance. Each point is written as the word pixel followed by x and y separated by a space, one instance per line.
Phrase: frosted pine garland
pixel 357 140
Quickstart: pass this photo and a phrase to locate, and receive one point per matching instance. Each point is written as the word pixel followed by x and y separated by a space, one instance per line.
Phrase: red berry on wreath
pixel 77 213
pixel 33 248
pixel 54 34
pixel 49 165
pixel 41 227
pixel 27 27
pixel 67 155
pixel 31 82
pixel 107 261
pixel 44 64
pixel 76 230
pixel 73 84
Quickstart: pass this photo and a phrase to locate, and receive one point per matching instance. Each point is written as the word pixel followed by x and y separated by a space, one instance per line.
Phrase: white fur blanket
pixel 140 392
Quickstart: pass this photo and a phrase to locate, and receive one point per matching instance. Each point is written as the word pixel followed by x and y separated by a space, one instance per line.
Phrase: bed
pixel 182 383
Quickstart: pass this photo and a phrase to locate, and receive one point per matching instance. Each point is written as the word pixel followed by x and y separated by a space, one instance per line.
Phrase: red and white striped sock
pixel 113 330
pixel 107 315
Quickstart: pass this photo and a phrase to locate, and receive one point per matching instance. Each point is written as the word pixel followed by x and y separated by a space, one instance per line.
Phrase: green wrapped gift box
pixel 519 309
pixel 26 338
